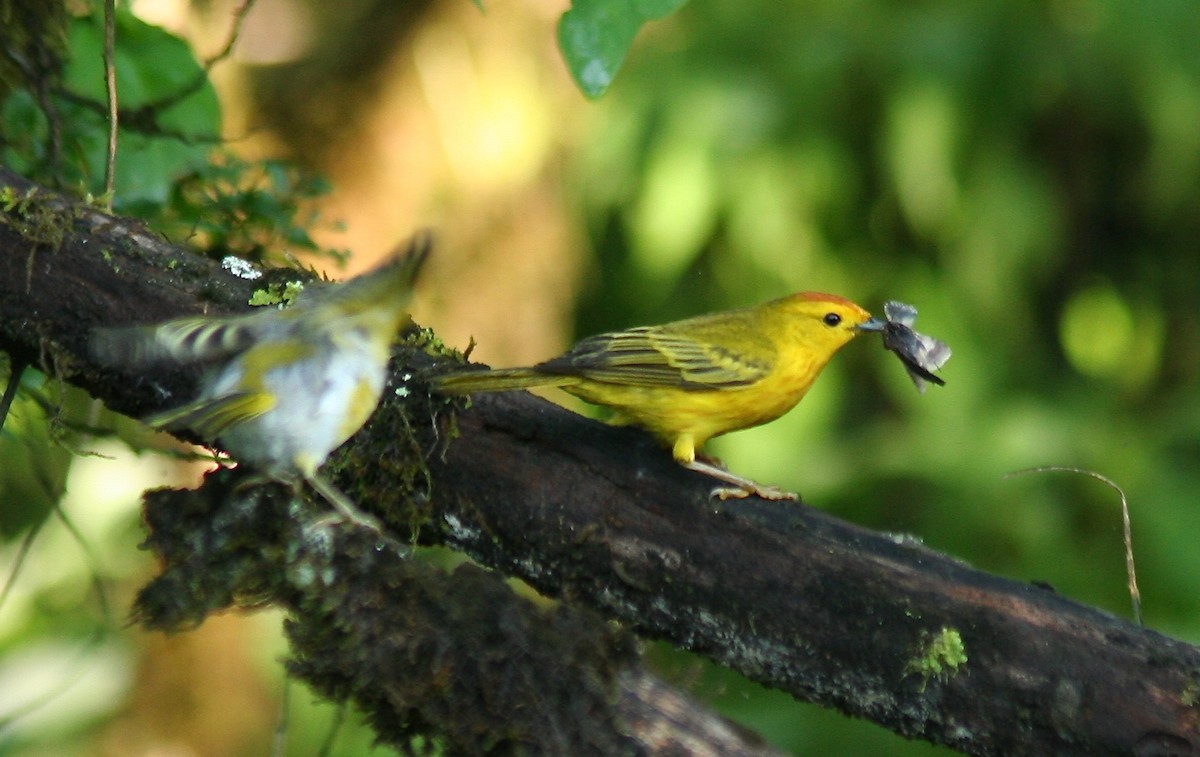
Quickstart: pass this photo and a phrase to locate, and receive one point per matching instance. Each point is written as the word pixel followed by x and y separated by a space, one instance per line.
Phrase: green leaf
pixel 153 67
pixel 595 35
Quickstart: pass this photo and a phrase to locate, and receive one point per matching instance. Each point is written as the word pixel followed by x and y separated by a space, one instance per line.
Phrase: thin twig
pixel 110 88
pixel 92 560
pixel 22 553
pixel 194 86
pixel 335 727
pixel 279 735
pixel 40 65
pixel 1134 595
pixel 239 17
pixel 140 120
pixel 16 369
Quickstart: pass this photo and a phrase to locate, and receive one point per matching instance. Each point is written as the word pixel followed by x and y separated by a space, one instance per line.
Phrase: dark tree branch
pixel 864 622
pixel 422 652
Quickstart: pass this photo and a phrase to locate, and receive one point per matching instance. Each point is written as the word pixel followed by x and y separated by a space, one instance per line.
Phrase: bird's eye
pixel 831 319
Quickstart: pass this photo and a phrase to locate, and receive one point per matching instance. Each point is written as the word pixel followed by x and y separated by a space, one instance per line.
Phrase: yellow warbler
pixel 694 379
pixel 284 388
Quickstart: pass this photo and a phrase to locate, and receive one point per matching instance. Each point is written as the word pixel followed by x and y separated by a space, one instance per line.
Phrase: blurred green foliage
pixel 262 211
pixel 169 109
pixel 172 169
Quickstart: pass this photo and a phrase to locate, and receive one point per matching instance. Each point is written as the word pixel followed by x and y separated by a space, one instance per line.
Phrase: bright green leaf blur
pixel 1103 337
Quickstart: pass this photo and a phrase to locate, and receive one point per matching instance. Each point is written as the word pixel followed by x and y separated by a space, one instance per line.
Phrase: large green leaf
pixel 153 68
pixel 595 35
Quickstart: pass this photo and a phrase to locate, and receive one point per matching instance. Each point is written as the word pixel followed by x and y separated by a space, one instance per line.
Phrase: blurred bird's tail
pixel 390 283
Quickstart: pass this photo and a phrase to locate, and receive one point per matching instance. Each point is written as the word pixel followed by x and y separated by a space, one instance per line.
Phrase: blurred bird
pixel 694 379
pixel 284 388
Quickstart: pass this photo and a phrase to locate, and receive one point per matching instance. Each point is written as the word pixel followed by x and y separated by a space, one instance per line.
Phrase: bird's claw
pixel 773 493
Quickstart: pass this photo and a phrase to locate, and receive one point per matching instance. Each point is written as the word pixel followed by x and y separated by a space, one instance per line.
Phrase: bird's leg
pixel 341 502
pixel 684 451
pixel 741 486
pixel 712 460
pixel 321 486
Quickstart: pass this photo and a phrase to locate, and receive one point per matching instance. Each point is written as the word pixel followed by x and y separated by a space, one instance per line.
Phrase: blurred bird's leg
pixel 741 487
pixel 330 493
pixel 341 502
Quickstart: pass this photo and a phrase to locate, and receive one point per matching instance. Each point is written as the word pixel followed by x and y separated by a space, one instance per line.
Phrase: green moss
pixel 20 204
pixel 8 198
pixel 937 656
pixel 277 294
pixel 35 216
pixel 109 257
pixel 99 202
pixel 1190 696
pixel 431 344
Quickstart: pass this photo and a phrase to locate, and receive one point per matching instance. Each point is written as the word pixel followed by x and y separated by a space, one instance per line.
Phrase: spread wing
pixel 684 356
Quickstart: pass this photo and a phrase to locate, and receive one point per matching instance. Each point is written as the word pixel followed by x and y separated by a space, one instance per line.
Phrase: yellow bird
pixel 694 379
pixel 283 388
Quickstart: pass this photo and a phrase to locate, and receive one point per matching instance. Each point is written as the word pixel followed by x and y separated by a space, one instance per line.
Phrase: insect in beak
pixel 919 352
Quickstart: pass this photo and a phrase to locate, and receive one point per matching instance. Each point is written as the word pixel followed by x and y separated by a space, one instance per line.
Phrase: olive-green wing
pixel 211 417
pixel 684 355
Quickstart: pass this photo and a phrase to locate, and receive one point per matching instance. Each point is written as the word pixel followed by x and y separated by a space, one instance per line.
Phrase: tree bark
pixel 874 625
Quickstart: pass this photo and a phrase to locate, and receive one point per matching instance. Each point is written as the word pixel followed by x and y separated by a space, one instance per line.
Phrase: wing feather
pixel 211 417
pixel 659 356
pixel 184 340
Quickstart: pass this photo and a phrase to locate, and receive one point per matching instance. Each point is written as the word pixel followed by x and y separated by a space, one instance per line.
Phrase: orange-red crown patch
pixel 822 297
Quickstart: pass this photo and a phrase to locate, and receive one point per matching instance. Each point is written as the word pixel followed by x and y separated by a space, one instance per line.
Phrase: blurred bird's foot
pixel 741 487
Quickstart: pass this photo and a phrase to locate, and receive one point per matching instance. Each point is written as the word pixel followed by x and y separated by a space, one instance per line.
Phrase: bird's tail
pixel 388 286
pixel 501 380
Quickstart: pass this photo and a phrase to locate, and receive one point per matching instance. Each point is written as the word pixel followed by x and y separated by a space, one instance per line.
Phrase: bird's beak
pixel 872 324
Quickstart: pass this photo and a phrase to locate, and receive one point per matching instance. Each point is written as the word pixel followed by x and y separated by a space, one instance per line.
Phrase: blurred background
pixel 1026 174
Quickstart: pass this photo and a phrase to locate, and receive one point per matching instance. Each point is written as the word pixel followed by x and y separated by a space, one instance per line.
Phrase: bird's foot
pixel 740 487
pixel 773 493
